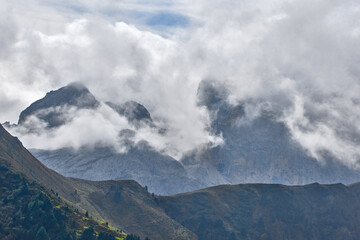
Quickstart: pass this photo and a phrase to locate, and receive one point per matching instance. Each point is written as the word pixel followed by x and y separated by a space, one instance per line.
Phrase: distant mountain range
pixel 255 150
pixel 227 212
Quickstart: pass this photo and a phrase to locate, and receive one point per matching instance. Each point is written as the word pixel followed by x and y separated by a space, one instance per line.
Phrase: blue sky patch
pixel 168 19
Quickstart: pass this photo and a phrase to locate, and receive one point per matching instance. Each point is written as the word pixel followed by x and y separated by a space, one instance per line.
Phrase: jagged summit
pixel 52 108
pixel 211 94
pixel 78 85
pixel 75 94
pixel 132 110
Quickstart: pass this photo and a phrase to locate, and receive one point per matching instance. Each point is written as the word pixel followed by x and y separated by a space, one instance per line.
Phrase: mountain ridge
pixel 257 148
pixel 74 95
pixel 94 196
pixel 228 212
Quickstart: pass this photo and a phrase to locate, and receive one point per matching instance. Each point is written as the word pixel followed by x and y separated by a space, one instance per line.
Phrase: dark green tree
pixel 132 237
pixel 42 234
pixel 88 234
pixel 105 236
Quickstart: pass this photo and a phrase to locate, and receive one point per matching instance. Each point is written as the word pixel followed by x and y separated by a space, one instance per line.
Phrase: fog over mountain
pixel 297 60
pixel 254 148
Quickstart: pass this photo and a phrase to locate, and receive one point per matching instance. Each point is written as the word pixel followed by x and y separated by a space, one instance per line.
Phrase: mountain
pixel 50 109
pixel 28 210
pixel 229 212
pixel 268 211
pixel 133 111
pixel 160 173
pixel 123 204
pixel 257 149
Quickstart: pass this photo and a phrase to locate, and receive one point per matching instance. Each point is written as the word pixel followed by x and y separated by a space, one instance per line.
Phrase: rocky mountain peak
pixel 75 95
pixel 132 110
pixel 211 94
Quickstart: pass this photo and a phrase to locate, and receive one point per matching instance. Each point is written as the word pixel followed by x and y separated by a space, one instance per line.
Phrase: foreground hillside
pixel 30 211
pixel 248 211
pixel 123 204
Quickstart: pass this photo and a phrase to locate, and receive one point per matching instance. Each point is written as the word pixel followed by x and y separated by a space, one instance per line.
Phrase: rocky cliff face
pixel 262 151
pixel 257 149
pixel 133 111
pixel 160 173
pixel 50 109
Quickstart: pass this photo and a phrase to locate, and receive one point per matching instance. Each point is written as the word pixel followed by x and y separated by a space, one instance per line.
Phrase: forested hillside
pixel 30 211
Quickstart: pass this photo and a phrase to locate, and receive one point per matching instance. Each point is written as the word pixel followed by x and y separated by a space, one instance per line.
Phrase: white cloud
pixel 272 52
pixel 85 127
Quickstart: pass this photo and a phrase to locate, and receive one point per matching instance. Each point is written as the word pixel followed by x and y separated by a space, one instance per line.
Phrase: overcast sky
pixel 301 58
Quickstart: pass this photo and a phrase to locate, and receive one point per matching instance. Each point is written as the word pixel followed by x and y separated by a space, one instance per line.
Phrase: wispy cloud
pixel 298 57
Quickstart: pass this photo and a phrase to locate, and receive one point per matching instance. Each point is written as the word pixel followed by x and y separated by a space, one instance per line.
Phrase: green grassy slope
pixel 261 211
pixel 30 211
pixel 124 204
pixel 228 212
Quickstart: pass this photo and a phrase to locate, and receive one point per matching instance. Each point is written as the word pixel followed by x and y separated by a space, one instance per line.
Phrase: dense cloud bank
pixel 299 59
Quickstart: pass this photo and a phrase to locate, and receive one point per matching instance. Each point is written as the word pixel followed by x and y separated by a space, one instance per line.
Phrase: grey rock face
pixel 259 150
pixel 75 95
pixel 134 112
pixel 131 110
pixel 263 152
pixel 162 174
